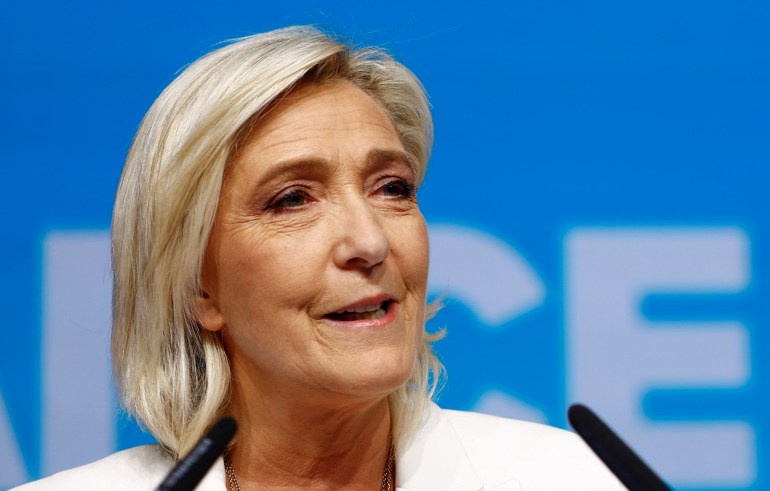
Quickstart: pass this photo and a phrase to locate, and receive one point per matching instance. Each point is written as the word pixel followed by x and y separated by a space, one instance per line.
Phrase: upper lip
pixel 363 302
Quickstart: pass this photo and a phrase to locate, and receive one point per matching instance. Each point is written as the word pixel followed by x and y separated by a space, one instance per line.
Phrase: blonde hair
pixel 172 375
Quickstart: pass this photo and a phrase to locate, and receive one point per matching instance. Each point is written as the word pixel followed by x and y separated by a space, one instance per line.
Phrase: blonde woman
pixel 270 263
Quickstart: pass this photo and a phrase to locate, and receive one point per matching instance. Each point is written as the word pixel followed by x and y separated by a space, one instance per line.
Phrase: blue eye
pixel 398 188
pixel 294 198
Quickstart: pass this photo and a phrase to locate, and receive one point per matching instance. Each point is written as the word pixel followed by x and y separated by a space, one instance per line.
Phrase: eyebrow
pixel 315 165
pixel 378 157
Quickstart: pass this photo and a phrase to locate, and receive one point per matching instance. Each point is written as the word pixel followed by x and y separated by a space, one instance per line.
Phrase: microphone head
pixel 186 475
pixel 627 466
pixel 223 430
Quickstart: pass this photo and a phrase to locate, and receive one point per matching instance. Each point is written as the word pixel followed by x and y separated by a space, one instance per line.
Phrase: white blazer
pixel 452 451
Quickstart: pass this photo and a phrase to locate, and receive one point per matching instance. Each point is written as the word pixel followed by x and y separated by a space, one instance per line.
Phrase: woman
pixel 270 263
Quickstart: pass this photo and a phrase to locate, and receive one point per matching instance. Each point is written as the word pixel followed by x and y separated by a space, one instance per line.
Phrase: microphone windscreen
pixel 616 455
pixel 186 475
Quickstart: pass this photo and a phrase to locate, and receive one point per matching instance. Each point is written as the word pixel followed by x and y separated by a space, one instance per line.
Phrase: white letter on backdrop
pixel 615 355
pixel 79 407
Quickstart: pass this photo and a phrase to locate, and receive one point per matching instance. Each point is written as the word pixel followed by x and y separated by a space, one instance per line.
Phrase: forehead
pixel 319 118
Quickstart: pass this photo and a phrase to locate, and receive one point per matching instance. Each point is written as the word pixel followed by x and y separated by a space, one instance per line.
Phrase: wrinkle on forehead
pixel 314 98
pixel 279 115
pixel 305 125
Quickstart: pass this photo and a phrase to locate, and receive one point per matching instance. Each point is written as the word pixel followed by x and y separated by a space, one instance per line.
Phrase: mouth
pixel 371 311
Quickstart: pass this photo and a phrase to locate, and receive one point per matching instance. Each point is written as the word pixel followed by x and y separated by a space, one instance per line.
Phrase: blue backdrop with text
pixel 597 202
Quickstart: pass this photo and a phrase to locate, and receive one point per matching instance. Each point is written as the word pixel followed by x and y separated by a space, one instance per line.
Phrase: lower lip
pixel 390 316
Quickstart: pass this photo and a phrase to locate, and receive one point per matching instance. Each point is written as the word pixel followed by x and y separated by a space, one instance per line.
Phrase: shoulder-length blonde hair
pixel 172 375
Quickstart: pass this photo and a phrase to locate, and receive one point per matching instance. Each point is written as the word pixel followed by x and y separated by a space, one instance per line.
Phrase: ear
pixel 207 311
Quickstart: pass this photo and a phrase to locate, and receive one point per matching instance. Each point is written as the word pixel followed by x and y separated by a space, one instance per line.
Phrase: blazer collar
pixel 436 459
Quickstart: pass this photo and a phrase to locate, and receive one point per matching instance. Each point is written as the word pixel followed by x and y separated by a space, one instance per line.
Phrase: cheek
pixel 411 250
pixel 419 260
pixel 420 249
pixel 256 278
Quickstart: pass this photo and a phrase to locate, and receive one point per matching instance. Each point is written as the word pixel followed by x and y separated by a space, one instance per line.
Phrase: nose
pixel 362 239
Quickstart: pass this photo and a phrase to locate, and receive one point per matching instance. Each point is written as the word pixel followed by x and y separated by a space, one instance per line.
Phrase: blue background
pixel 549 115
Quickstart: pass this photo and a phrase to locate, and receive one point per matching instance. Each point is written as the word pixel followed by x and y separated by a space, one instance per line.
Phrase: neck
pixel 283 444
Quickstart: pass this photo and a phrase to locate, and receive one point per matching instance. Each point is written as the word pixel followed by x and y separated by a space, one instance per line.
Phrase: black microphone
pixel 186 475
pixel 621 460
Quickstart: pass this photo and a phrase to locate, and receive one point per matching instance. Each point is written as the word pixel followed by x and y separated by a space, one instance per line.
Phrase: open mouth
pixel 365 312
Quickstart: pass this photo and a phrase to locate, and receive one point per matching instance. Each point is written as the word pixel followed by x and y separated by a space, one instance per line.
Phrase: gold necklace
pixel 232 479
pixel 386 483
pixel 389 473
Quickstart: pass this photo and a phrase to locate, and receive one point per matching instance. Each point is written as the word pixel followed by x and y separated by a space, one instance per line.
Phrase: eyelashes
pixel 399 188
pixel 288 200
pixel 296 198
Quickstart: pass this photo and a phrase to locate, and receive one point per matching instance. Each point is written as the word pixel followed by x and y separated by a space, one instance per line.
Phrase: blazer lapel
pixel 436 459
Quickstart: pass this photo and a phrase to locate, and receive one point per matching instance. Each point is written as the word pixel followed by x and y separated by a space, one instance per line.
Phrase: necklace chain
pixel 232 479
pixel 386 483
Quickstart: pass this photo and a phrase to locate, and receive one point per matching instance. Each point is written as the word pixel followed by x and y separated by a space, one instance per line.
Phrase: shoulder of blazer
pixel 539 456
pixel 138 468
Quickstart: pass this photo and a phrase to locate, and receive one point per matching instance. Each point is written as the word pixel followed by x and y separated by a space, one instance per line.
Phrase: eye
pixel 293 198
pixel 398 188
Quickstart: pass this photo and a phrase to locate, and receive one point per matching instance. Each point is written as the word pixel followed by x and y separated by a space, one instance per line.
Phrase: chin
pixel 378 378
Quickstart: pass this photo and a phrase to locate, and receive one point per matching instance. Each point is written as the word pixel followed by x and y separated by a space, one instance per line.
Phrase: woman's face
pixel 317 265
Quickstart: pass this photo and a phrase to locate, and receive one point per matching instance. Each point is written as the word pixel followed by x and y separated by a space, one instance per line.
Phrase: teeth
pixel 360 310
pixel 359 313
